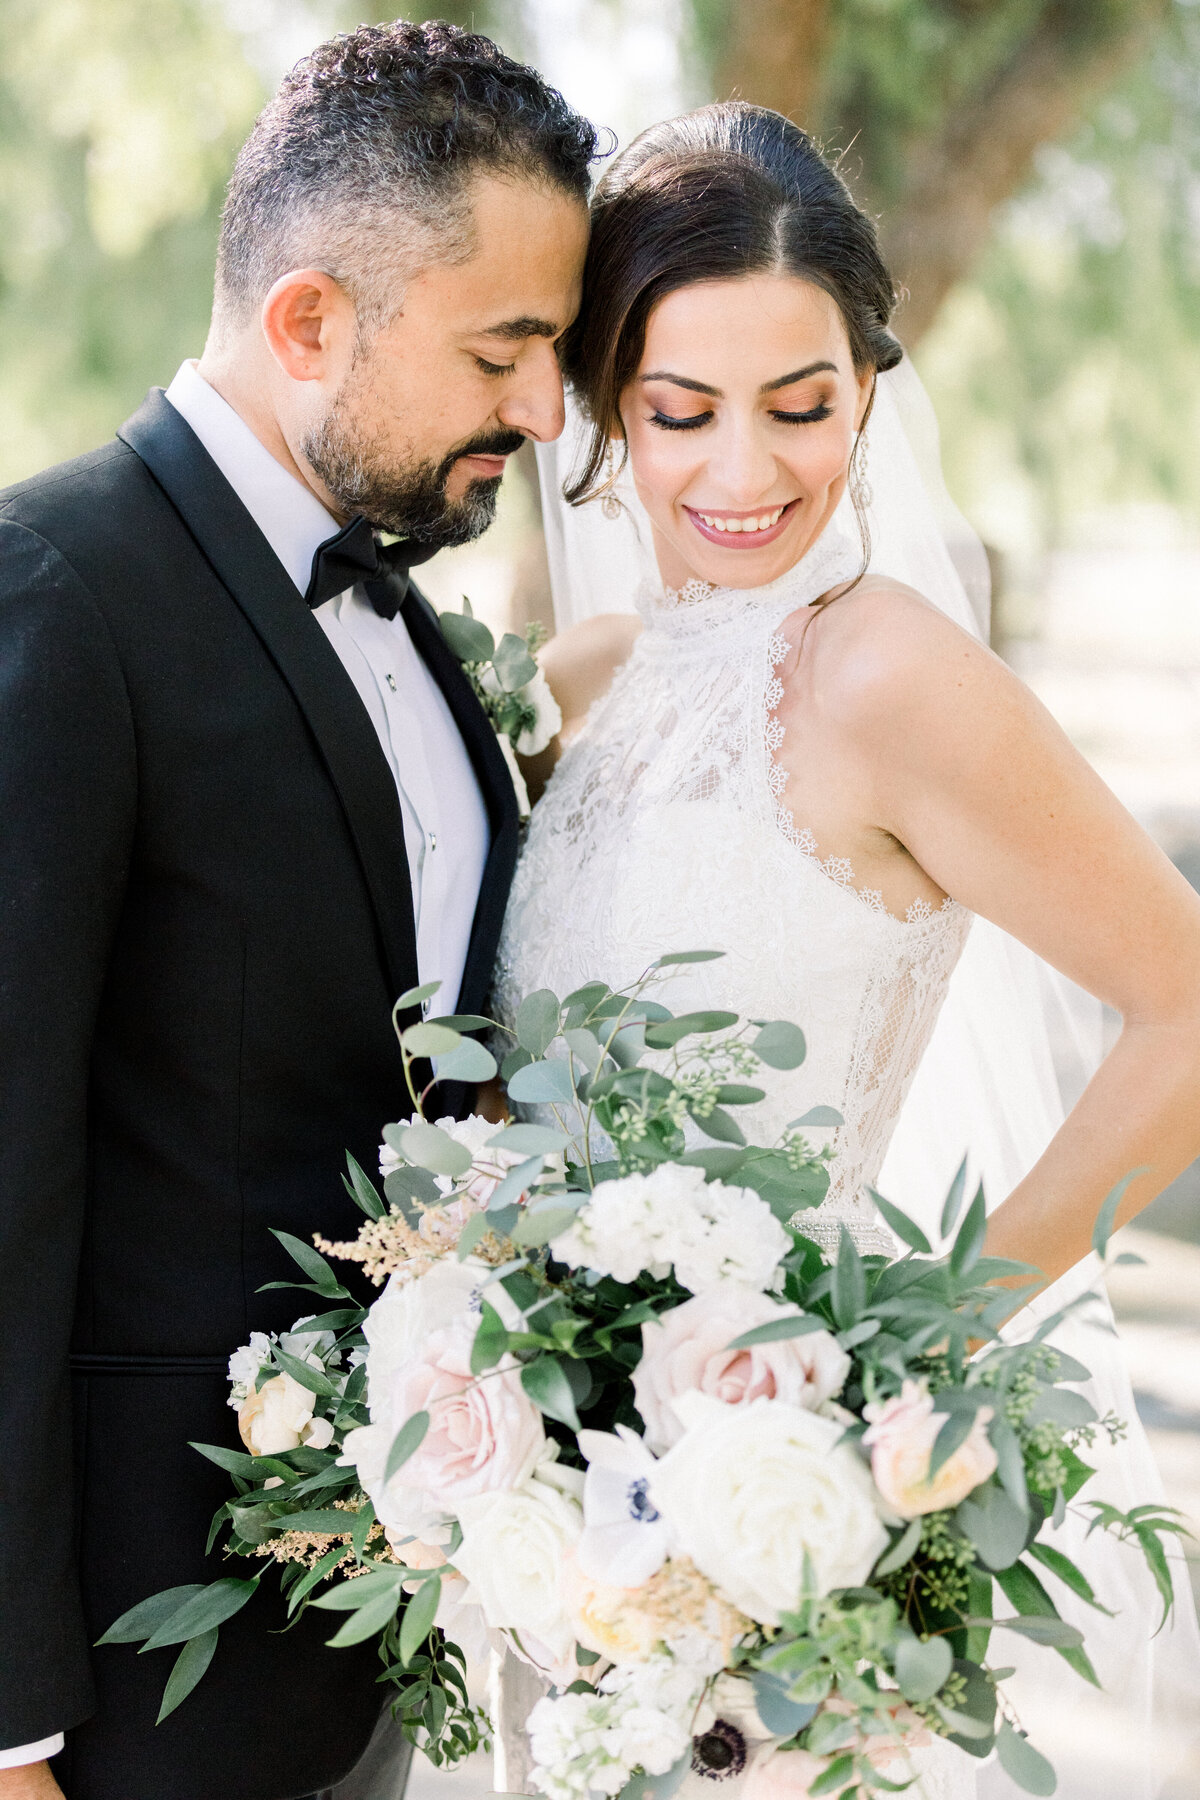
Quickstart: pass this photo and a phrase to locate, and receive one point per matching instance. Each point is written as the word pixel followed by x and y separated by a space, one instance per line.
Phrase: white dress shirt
pixel 445 823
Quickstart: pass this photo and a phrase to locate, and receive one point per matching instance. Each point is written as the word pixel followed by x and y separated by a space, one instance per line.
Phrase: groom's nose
pixel 533 403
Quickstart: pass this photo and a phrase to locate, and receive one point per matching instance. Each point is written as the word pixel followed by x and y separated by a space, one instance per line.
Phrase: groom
pixel 249 799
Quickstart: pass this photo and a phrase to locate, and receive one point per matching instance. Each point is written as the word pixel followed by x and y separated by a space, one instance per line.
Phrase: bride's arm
pixel 972 775
pixel 579 665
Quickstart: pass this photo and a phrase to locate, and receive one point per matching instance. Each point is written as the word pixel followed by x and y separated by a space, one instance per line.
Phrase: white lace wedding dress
pixel 667 827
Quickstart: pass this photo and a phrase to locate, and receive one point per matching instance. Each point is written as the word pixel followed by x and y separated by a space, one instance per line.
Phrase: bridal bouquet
pixel 746 1510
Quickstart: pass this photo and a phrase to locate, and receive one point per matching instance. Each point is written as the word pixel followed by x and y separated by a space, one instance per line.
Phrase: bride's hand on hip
pixel 965 768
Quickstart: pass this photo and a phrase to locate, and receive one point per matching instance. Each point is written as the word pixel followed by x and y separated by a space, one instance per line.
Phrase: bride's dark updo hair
pixel 727 191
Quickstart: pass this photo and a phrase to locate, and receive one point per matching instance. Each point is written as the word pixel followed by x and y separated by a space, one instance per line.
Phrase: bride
pixel 791 756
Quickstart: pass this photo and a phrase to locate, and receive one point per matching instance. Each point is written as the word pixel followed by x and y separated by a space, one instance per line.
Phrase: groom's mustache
pixel 488 443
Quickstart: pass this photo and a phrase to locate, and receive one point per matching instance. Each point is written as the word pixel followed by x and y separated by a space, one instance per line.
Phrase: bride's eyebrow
pixel 768 387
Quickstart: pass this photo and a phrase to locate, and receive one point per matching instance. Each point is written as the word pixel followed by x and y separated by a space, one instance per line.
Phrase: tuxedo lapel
pixel 496 786
pixel 248 567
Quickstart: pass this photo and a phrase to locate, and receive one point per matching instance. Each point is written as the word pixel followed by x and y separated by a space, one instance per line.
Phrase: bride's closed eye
pixel 812 416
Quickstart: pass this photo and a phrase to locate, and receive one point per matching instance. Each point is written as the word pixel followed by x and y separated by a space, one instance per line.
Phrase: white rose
pixel 513 1553
pixel 276 1417
pixel 687 1349
pixel 548 716
pixel 752 1491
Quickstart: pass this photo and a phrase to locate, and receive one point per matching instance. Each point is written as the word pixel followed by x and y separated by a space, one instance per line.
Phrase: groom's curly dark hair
pixel 360 163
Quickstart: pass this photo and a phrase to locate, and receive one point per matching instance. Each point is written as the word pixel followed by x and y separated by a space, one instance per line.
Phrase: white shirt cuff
pixel 23 1754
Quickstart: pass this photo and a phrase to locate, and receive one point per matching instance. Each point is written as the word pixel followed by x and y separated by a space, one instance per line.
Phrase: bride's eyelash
pixel 812 417
pixel 670 424
pixel 494 368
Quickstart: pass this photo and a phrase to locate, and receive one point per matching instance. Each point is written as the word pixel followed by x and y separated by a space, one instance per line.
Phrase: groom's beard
pixel 410 500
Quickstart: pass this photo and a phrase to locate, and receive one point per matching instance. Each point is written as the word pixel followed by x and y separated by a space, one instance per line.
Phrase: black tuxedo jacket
pixel 207 917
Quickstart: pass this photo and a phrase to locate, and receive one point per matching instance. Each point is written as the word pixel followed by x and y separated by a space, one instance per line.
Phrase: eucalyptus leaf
pixel 362 1189
pixel 922 1667
pixel 537 1021
pixel 476 1227
pixel 795 1325
pixel 434 1149
pixel 849 1283
pixel 190 1666
pixel 718 1124
pixel 1022 1763
pixel 545 1382
pixel 587 1047
pixel 906 1229
pixel 953 1201
pixel 418 1618
pixel 718 1164
pixel 313 1264
pixel 513 664
pixel 817 1116
pixel 472 1061
pixel 506 1193
pixel 657 1787
pixel 540 1225
pixel 469 639
pixel 1106 1218
pixel 367 1620
pixel 430 1040
pixel 995 1524
pixel 201 1612
pixel 901 1550
pixel 686 956
pixel 968 1243
pixel 780 1045
pixel 1062 1406
pixel 144 1619
pixel 408 1183
pixel 407 1440
pixel 668 1033
pixel 415 995
pixel 548 1083
pixel 781 1715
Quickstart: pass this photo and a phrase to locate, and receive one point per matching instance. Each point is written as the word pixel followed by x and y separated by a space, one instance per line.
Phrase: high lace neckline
pixel 700 605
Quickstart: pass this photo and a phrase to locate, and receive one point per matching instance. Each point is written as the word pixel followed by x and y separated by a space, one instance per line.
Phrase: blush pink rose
pixel 901 1439
pixel 688 1350
pixel 782 1774
pixel 484 1435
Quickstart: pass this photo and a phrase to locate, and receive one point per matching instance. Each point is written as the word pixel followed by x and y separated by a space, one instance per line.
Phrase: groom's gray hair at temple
pixel 361 163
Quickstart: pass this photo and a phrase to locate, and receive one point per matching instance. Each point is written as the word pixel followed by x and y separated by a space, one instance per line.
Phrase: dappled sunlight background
pixel 1036 172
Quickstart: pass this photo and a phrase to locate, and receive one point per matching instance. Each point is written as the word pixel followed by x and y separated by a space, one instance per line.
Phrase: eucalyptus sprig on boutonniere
pixel 508 685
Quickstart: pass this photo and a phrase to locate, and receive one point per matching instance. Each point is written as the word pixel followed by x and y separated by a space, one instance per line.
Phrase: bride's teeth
pixel 764 523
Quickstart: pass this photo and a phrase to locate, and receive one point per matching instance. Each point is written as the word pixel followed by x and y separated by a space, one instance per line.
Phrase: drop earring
pixel 610 503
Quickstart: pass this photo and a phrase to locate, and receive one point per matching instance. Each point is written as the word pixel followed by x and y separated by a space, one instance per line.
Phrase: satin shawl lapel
pixel 246 565
pixel 496 786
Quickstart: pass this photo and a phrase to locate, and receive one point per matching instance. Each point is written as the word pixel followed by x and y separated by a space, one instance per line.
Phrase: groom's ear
pixel 310 325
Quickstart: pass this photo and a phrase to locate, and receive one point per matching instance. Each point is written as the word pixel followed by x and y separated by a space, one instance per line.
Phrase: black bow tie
pixel 356 554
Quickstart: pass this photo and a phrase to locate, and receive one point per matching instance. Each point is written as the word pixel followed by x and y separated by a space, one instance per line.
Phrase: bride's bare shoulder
pixel 580 663
pixel 883 651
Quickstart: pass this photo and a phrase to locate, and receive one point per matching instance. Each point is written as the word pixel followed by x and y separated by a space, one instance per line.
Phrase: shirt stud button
pixel 433 840
pixel 391 681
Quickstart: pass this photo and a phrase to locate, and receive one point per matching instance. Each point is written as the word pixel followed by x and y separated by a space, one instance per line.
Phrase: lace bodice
pixel 666 827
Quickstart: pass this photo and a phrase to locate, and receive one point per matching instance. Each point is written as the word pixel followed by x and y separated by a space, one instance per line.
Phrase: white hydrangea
pixel 245 1364
pixel 642 1718
pixel 710 1231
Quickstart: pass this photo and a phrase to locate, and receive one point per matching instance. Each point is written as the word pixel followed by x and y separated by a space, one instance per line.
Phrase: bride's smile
pixel 740 423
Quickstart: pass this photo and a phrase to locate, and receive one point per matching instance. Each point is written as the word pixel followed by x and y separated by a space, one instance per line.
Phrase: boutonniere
pixel 509 686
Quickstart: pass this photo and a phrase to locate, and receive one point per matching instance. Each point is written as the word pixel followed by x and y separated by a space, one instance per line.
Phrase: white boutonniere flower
pixel 509 686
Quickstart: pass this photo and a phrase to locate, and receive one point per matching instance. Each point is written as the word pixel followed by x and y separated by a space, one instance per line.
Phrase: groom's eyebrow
pixel 517 330
pixel 768 387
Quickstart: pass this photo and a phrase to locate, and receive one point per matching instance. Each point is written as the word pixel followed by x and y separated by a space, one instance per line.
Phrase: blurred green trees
pixel 1035 165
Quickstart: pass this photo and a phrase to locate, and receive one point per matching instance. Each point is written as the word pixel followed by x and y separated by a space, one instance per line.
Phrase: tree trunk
pixel 977 153
pixel 775 55
pixel 985 146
